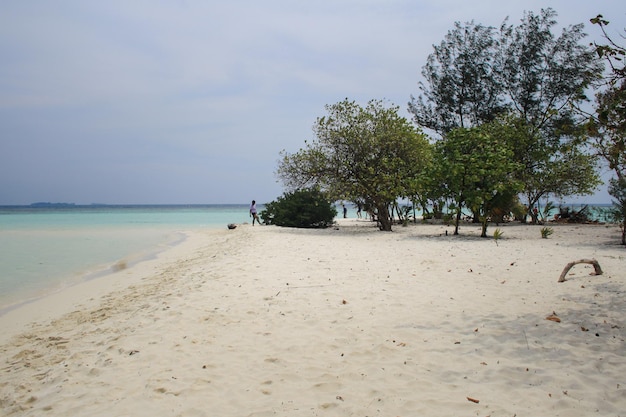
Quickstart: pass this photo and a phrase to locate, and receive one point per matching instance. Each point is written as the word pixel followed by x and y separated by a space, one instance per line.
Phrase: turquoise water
pixel 45 249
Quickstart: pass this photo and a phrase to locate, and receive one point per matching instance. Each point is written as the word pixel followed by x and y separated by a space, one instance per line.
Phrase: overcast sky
pixel 155 102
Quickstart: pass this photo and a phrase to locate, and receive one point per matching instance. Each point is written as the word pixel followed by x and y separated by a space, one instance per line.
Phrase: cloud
pixel 201 95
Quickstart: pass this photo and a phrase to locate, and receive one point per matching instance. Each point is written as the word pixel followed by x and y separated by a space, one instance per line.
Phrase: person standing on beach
pixel 253 213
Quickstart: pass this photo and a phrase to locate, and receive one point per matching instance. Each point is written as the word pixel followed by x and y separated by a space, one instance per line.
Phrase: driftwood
pixel 596 266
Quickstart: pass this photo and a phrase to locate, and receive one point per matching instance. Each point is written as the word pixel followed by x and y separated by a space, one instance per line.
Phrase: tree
pixel 476 168
pixel 608 130
pixel 608 126
pixel 367 154
pixel 613 53
pixel 302 208
pixel 478 74
pixel 544 75
pixel 545 78
pixel 617 189
pixel 461 88
pixel 550 167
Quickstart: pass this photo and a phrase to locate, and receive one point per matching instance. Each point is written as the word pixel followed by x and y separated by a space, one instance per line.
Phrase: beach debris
pixel 344 302
pixel 232 226
pixel 553 317
pixel 474 400
pixel 133 352
pixel 596 267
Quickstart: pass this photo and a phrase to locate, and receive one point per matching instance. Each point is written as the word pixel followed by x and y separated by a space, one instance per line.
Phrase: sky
pixel 191 102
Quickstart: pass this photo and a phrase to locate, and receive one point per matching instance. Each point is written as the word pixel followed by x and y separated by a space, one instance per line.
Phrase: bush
pixel 303 208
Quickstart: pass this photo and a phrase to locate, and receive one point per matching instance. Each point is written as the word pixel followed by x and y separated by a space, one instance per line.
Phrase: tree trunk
pixel 484 227
pixel 384 220
pixel 456 223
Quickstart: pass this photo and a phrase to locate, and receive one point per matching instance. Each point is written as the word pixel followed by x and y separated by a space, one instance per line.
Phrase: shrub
pixel 497 235
pixel 309 208
pixel 546 231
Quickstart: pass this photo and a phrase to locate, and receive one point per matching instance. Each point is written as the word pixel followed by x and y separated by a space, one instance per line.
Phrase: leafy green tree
pixel 544 75
pixel 609 128
pixel 558 168
pixel 368 154
pixel 476 166
pixel 308 208
pixel 608 125
pixel 461 88
pixel 478 74
pixel 545 78
pixel 617 189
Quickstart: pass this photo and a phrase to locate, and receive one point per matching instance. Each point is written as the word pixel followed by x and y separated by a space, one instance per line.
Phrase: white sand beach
pixel 347 321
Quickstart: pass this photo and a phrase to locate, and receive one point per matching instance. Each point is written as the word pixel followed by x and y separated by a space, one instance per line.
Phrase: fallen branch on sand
pixel 596 266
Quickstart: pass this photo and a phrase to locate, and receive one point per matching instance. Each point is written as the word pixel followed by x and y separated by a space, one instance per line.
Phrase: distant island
pixel 55 205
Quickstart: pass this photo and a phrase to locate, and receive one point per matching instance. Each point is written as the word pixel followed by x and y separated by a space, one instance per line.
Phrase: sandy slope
pixel 264 321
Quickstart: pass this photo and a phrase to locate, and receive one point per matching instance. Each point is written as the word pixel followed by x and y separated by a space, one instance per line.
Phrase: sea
pixel 47 247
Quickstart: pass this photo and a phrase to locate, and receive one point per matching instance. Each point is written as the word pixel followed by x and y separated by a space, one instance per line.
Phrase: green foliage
pixel 546 231
pixel 546 77
pixel 613 53
pixel 367 154
pixel 307 208
pixel 462 88
pixel 617 189
pixel 497 235
pixel 544 74
pixel 474 169
pixel 608 125
pixel 547 208
pixel 528 78
pixel 519 211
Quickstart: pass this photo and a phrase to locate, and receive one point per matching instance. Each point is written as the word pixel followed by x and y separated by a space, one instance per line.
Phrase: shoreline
pixel 97 270
pixel 263 321
pixel 90 287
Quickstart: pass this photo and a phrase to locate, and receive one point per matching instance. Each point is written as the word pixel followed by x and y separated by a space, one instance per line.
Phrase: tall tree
pixel 543 75
pixel 368 154
pixel 608 124
pixel 544 79
pixel 478 74
pixel 460 88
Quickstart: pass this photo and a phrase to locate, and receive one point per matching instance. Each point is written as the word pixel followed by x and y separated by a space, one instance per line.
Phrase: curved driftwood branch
pixel 596 266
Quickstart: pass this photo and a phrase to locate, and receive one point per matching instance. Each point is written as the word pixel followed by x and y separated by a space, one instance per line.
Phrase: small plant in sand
pixel 497 235
pixel 546 231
